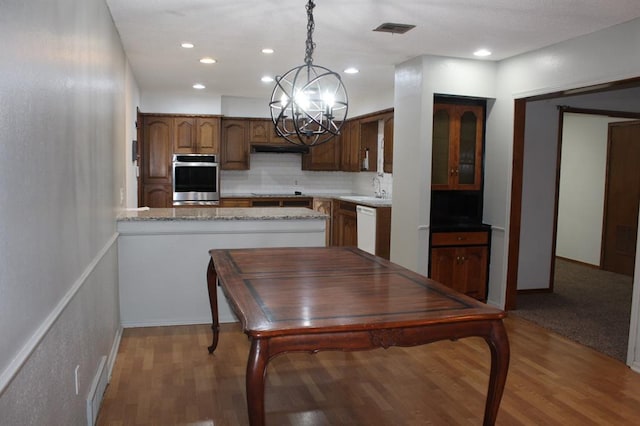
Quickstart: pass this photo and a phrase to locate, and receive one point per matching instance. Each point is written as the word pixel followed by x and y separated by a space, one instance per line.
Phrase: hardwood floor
pixel 165 376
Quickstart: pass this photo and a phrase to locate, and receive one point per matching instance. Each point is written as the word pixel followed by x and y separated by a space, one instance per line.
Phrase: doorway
pixel 517 208
pixel 622 192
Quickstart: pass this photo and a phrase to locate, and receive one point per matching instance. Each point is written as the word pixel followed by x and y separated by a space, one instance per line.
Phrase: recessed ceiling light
pixel 208 60
pixel 482 52
pixel 198 86
pixel 187 45
pixel 352 70
pixel 267 51
pixel 266 79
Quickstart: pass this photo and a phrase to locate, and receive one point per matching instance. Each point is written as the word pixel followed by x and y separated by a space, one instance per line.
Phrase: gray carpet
pixel 589 306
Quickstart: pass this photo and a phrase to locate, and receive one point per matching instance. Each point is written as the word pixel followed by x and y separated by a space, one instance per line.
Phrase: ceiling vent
pixel 390 27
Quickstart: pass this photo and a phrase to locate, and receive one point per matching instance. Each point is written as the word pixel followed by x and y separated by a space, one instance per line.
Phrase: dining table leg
pixel 256 374
pixel 499 348
pixel 212 281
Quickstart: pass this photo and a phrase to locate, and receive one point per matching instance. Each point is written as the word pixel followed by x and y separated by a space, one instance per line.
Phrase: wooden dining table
pixel 344 299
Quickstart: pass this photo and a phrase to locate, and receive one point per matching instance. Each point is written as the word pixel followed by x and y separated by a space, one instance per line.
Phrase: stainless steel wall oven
pixel 195 179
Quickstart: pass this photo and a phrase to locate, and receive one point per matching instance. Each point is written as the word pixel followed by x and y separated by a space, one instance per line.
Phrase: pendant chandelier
pixel 309 103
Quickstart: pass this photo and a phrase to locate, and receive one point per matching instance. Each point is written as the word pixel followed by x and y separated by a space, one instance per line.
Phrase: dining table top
pixel 289 291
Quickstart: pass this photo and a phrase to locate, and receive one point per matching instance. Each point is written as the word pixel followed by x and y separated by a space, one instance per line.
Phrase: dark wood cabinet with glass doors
pixel 457 147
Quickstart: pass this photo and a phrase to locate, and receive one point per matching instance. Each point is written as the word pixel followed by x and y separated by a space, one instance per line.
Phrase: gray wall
pixel 62 85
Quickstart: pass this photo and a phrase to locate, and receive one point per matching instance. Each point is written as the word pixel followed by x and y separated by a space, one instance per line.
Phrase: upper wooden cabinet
pixel 324 157
pixel 196 135
pixel 388 143
pixel 360 138
pixel 234 150
pixel 350 152
pixel 262 131
pixel 457 147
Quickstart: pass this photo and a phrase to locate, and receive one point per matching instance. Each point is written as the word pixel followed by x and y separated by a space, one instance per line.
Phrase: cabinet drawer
pixel 459 238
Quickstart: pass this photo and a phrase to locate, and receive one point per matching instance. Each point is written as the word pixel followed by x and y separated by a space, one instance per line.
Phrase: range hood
pixel 284 148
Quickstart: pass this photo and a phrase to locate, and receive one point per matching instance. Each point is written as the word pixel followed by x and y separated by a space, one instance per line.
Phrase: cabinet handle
pixel 461 238
pixel 452 172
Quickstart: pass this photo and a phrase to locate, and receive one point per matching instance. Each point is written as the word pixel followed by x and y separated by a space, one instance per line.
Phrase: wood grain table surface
pixel 342 298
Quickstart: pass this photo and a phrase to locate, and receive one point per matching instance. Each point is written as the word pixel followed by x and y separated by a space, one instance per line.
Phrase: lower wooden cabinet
pixel 345 224
pixel 460 260
pixel 325 205
pixel 157 195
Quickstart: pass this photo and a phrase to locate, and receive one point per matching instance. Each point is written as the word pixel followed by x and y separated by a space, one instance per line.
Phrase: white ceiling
pixel 234 32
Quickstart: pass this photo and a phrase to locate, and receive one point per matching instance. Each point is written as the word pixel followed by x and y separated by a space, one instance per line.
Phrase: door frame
pixel 513 249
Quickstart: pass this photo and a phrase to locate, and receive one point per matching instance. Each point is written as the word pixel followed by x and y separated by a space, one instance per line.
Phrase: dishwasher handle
pixel 369 211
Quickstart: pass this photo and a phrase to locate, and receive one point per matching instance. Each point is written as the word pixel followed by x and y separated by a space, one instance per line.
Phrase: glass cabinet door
pixel 457 147
pixel 467 151
pixel 441 147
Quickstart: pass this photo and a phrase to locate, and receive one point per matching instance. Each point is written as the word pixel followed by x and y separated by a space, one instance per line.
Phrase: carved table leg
pixel 499 346
pixel 212 278
pixel 256 372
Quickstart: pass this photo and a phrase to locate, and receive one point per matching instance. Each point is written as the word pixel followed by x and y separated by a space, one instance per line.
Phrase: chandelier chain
pixel 310 45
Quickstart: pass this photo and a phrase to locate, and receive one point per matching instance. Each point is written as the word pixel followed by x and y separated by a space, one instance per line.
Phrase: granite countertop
pixel 460 227
pixel 366 200
pixel 218 213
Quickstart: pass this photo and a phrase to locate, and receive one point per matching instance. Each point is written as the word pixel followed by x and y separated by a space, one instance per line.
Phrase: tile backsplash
pixel 282 173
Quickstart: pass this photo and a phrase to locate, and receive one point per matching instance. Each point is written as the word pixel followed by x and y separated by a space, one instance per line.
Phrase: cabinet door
pixel 157 196
pixel 184 135
pixel 457 147
pixel 235 202
pixel 472 271
pixel 156 149
pixel 208 135
pixel 325 205
pixel 350 154
pixel 345 231
pixel 325 157
pixel 464 269
pixel 388 144
pixel 468 162
pixel 259 131
pixel 443 262
pixel 235 146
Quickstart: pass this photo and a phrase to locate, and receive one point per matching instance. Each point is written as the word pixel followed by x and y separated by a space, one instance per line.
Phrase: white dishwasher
pixel 366 225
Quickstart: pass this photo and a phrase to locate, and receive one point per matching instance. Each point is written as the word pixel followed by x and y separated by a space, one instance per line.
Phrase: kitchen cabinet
pixel 196 135
pixel 154 183
pixel 262 131
pixel 156 150
pixel 388 143
pixel 350 149
pixel 383 232
pixel 157 196
pixel 325 157
pixel 266 202
pixel 368 149
pixel 360 135
pixel 282 202
pixel 460 260
pixel 235 202
pixel 325 205
pixel 345 225
pixel 457 147
pixel 234 146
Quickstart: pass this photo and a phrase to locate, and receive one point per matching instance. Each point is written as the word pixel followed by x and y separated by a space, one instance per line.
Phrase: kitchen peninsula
pixel 163 255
